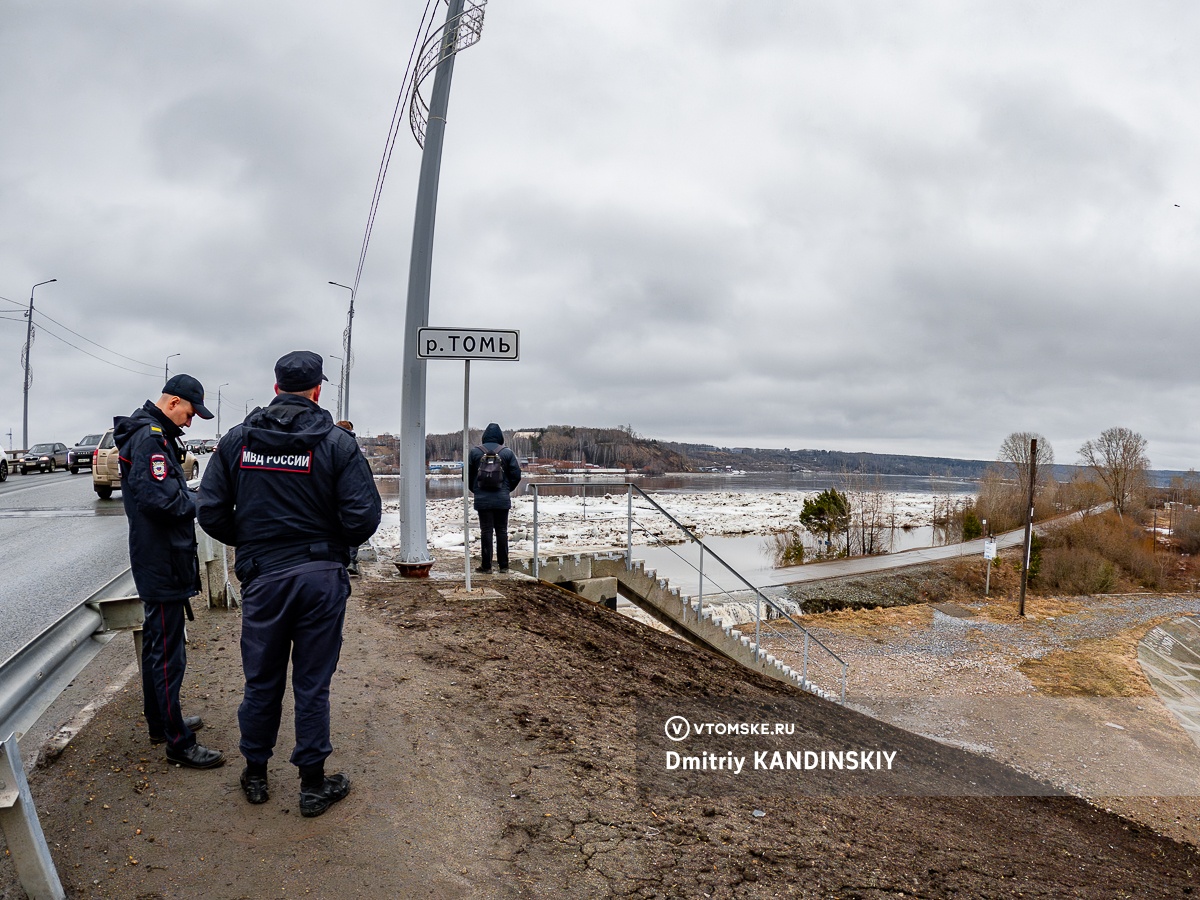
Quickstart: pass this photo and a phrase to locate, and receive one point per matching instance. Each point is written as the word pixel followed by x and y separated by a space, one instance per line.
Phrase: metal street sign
pixel 467 343
pixel 989 548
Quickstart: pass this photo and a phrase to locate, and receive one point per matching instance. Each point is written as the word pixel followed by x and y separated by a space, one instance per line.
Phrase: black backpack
pixel 490 476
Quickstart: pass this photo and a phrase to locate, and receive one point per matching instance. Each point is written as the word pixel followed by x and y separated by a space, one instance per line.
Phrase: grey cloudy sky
pixel 897 227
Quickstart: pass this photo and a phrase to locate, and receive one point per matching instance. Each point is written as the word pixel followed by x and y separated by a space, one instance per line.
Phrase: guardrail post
pixel 629 528
pixel 700 604
pixel 535 529
pixel 23 831
pixel 806 656
pixel 757 624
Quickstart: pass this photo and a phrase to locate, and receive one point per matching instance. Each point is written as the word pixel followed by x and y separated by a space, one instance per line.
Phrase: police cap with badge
pixel 185 387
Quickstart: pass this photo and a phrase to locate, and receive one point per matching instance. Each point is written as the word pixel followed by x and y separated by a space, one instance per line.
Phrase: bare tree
pixel 1015 453
pixel 1118 457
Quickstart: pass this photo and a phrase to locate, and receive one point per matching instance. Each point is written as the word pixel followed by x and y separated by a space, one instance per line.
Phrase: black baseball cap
pixel 188 388
pixel 299 370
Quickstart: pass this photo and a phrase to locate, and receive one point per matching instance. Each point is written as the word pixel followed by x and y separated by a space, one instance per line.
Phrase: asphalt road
pixel 61 543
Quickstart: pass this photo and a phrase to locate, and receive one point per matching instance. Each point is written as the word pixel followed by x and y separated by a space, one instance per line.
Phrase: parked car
pixel 81 454
pixel 196 445
pixel 43 458
pixel 210 445
pixel 106 470
pixel 3 466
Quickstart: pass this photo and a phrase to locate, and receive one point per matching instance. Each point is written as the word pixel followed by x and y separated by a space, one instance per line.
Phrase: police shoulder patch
pixel 158 467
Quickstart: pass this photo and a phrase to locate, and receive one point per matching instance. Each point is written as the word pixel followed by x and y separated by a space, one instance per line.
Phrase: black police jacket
pixel 288 486
pixel 158 505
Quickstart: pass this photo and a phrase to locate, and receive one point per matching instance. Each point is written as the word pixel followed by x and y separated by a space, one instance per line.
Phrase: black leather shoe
pixel 194 723
pixel 196 756
pixel 313 803
pixel 255 787
pixel 482 571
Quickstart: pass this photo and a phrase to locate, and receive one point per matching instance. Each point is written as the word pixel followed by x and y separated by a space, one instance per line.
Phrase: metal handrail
pixel 760 597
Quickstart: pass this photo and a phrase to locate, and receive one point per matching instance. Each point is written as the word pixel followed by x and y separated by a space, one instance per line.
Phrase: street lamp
pixel 341 372
pixel 166 367
pixel 248 402
pixel 226 384
pixel 348 362
pixel 25 359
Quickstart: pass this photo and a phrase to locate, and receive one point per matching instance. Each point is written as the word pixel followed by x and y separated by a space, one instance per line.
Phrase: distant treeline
pixel 701 456
pixel 605 447
pixel 622 447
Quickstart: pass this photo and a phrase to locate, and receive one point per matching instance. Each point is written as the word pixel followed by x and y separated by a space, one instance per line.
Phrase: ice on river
pixel 568 524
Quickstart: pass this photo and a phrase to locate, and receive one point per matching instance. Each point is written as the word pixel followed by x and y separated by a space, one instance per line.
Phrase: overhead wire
pixel 95 344
pixel 107 362
pixel 46 330
pixel 427 20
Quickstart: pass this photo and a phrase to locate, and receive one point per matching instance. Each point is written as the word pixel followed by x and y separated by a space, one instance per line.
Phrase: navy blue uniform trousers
pixel 296 612
pixel 164 660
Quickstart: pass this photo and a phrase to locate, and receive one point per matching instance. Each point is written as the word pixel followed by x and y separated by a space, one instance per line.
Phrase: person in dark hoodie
pixel 292 492
pixel 161 513
pixel 493 494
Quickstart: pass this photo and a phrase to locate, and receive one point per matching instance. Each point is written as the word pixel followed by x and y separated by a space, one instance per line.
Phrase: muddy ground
pixel 493 747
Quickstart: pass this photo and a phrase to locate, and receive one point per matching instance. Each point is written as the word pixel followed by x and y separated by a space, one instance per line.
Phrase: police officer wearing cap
pixel 161 511
pixel 291 491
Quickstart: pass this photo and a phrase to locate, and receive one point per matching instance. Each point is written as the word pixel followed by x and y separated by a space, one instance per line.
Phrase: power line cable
pixel 45 330
pixel 427 20
pixel 95 344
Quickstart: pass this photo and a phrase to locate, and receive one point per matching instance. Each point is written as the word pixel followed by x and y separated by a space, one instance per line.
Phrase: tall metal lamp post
pixel 461 30
pixel 226 384
pixel 341 373
pixel 25 360
pixel 167 367
pixel 344 381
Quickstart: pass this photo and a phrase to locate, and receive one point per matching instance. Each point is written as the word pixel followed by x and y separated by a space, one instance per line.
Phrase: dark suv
pixel 80 456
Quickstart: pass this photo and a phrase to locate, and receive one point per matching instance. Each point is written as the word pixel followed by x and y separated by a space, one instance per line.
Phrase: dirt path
pixel 495 751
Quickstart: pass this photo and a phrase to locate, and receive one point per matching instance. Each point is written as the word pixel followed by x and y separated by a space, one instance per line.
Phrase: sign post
pixel 467 344
pixel 989 553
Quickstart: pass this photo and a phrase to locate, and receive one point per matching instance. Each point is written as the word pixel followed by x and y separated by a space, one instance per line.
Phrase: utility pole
pixel 25 359
pixel 226 384
pixel 1028 524
pixel 437 57
pixel 344 379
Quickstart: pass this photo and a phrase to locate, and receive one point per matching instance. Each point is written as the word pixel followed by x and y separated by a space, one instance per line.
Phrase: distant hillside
pixel 753 459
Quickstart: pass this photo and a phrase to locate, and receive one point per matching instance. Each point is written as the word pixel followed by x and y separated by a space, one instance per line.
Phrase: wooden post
pixel 1028 524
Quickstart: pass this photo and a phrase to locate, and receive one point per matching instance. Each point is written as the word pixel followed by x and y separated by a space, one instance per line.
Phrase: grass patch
pixel 870 622
pixel 1105 667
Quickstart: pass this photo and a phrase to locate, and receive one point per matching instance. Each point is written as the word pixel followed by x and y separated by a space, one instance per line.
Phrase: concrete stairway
pixel 595 575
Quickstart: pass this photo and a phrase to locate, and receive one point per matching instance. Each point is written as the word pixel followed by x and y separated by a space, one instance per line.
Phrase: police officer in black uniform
pixel 162 553
pixel 292 492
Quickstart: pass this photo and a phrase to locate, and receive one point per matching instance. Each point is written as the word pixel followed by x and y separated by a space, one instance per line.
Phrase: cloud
pixel 848 226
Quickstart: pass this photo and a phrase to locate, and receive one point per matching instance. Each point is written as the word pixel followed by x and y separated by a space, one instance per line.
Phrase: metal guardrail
pixel 30 681
pixel 795 639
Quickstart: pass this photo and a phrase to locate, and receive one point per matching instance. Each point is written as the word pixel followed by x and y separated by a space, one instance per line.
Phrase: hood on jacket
pixel 493 435
pixel 288 424
pixel 124 426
